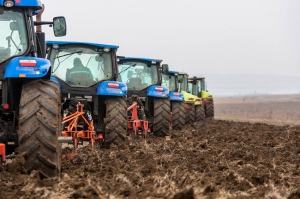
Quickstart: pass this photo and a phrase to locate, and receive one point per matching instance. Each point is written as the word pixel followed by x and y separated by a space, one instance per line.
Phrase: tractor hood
pixel 24 3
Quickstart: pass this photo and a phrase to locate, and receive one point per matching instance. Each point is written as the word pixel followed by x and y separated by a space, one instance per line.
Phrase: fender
pixel 158 91
pixel 28 3
pixel 27 67
pixel 112 88
pixel 206 94
pixel 176 96
pixel 189 98
pixel 54 79
pixel 207 101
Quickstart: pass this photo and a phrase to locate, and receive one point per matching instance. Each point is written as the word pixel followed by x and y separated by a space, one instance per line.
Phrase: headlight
pixel 106 50
pixel 8 3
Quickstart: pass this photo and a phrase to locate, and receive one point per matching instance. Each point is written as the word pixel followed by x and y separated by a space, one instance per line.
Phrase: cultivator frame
pixel 137 125
pixel 72 132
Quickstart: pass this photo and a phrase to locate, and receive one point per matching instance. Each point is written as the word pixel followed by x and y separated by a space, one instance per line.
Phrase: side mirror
pixel 59 26
pixel 165 68
pixel 119 57
pixel 129 74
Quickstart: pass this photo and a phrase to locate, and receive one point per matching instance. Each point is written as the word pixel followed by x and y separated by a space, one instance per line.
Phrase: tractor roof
pixel 140 59
pixel 25 3
pixel 81 43
pixel 182 73
pixel 172 72
pixel 197 77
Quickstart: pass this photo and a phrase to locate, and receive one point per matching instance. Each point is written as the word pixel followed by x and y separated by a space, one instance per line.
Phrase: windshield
pixel 201 85
pixel 169 82
pixel 190 88
pixel 183 82
pixel 137 75
pixel 81 66
pixel 198 86
pixel 13 37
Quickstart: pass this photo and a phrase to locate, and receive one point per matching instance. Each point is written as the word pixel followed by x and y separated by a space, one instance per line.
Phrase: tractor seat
pixel 134 82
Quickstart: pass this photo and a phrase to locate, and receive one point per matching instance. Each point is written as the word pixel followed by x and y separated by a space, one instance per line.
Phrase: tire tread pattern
pixel 115 121
pixel 190 114
pixel 210 110
pixel 199 113
pixel 40 126
pixel 161 117
pixel 178 115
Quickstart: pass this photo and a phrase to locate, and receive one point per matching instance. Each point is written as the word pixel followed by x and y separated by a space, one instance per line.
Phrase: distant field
pixel 271 109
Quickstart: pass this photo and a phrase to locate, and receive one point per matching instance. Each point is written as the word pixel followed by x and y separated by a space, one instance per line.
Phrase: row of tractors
pixel 55 92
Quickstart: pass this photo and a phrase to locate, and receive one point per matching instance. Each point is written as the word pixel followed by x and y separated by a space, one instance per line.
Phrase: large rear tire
pixel 209 110
pixel 40 126
pixel 200 113
pixel 161 117
pixel 178 115
pixel 190 114
pixel 115 121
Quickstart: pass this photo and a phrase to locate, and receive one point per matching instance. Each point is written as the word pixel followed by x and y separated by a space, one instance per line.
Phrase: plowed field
pixel 218 158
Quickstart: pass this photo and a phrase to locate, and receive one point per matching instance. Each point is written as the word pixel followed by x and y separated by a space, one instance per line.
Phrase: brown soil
pixel 212 159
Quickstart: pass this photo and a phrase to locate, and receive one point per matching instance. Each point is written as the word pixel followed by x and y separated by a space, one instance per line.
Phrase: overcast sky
pixel 195 36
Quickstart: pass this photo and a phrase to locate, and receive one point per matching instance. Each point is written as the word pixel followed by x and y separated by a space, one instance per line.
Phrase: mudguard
pixel 54 79
pixel 206 94
pixel 176 96
pixel 158 91
pixel 13 68
pixel 112 88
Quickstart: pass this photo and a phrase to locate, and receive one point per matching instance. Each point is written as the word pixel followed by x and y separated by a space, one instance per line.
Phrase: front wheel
pixel 161 119
pixel 115 121
pixel 40 126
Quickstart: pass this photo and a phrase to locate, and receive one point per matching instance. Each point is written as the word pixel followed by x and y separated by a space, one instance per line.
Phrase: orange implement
pixel 2 153
pixel 134 124
pixel 71 130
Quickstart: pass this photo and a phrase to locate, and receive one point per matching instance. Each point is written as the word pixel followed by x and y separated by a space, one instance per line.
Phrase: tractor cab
pixel 82 64
pixel 198 87
pixel 185 88
pixel 170 81
pixel 18 36
pixel 143 76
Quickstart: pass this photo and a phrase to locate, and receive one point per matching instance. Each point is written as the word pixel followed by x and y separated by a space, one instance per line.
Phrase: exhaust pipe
pixel 41 45
pixel 39 18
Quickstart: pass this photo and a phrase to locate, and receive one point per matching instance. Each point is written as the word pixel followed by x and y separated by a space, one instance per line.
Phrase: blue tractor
pixel 30 101
pixel 170 80
pixel 86 74
pixel 143 77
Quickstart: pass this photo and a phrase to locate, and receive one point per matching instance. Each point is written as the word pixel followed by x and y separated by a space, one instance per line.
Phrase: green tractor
pixel 194 106
pixel 199 89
